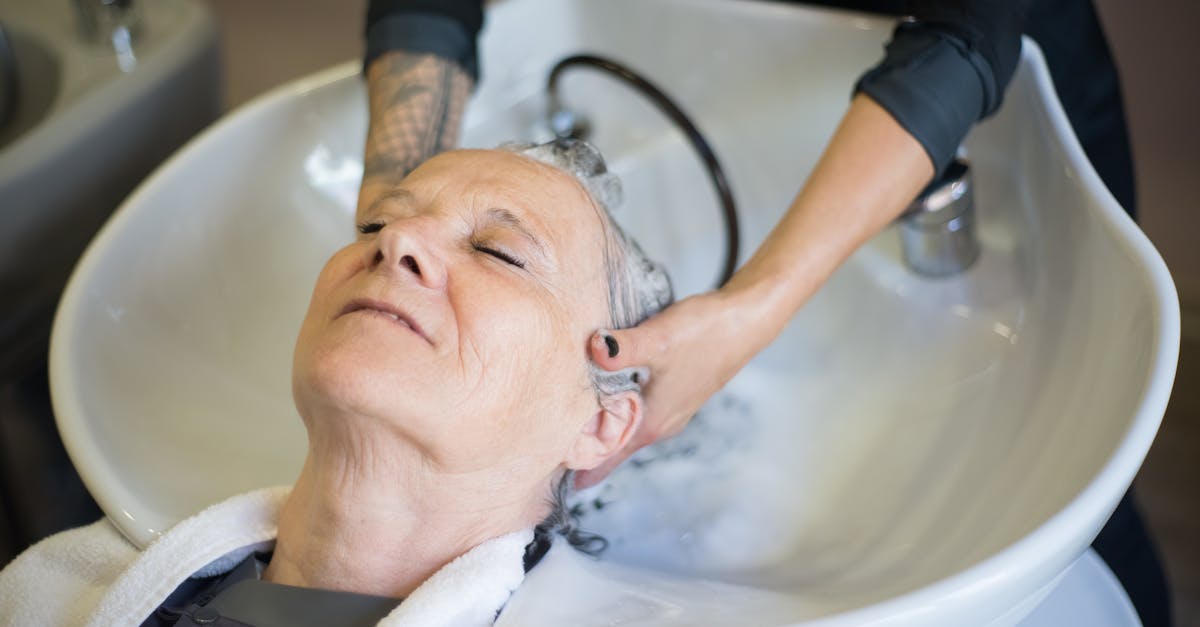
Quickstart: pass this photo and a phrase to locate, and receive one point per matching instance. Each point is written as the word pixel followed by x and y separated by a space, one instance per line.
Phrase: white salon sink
pixel 910 451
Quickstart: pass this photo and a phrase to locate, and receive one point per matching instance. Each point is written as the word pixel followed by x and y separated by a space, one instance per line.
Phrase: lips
pixel 384 310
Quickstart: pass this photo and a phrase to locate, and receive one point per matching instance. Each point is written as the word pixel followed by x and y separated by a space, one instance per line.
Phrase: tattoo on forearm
pixel 416 107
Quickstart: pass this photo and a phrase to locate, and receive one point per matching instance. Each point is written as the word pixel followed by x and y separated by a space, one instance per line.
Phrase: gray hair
pixel 637 289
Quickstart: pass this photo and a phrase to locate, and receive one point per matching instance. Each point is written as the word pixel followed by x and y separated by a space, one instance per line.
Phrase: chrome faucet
pixel 113 23
pixel 937 231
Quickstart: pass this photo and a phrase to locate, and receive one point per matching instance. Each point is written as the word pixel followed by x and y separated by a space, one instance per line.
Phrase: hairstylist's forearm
pixel 416 106
pixel 870 171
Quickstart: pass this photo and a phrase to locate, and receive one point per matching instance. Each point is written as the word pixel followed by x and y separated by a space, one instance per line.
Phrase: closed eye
pixel 366 228
pixel 499 254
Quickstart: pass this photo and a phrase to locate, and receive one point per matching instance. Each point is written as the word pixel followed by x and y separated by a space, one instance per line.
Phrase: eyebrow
pixel 508 219
pixel 496 215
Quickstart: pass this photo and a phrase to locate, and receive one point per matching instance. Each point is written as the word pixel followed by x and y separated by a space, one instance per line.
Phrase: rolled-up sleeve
pixel 447 28
pixel 946 68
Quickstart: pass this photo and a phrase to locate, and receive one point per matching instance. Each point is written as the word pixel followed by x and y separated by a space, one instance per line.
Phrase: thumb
pixel 619 349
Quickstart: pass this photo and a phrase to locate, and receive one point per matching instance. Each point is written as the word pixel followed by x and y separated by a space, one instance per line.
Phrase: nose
pixel 406 248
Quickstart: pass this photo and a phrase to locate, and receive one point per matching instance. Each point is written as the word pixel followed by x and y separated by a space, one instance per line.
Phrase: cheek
pixel 509 339
pixel 525 354
pixel 343 369
pixel 340 268
pixel 315 317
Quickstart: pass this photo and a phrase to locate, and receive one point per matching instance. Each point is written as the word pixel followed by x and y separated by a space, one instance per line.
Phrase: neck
pixel 368 514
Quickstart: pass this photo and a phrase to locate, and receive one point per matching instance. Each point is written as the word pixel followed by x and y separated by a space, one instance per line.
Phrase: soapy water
pixel 671 493
pixel 695 523
pixel 715 500
pixel 781 500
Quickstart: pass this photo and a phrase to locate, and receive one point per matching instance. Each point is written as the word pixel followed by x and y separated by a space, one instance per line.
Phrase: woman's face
pixel 459 317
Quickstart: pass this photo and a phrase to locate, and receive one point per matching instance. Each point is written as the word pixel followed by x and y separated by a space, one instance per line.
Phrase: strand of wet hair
pixel 564 521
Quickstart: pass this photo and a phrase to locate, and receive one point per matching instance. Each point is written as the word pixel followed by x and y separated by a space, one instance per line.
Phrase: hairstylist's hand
pixel 871 169
pixel 692 349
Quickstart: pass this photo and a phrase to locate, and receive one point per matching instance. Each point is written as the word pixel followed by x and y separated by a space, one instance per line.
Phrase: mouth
pixel 385 311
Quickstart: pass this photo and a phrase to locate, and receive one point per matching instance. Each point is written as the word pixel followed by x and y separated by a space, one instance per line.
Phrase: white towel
pixel 93 576
pixel 469 591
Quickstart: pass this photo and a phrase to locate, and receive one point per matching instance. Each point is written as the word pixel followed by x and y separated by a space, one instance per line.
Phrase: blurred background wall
pixel 1158 55
pixel 269 42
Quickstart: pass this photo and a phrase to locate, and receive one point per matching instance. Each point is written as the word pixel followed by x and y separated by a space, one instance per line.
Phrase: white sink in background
pixel 89 124
pixel 910 451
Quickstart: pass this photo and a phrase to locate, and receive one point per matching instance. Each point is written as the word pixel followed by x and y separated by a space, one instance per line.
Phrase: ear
pixel 607 431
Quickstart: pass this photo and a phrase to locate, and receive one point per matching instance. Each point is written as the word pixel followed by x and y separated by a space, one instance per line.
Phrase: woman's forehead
pixel 542 196
pixel 498 173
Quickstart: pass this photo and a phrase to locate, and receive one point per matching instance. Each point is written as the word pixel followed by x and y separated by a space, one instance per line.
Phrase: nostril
pixel 411 263
pixel 378 257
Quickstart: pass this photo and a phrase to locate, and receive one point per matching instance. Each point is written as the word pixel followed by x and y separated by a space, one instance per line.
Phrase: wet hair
pixel 638 288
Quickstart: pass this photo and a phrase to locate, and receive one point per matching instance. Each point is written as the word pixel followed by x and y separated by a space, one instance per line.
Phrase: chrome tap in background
pixel 937 231
pixel 116 23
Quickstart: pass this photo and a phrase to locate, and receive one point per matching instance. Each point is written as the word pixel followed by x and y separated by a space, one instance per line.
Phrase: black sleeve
pixel 447 28
pixel 946 68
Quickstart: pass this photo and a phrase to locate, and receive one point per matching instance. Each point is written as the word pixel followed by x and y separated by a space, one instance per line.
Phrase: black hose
pixel 671 110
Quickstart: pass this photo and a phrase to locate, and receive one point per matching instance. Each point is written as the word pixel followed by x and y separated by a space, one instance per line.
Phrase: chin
pixel 361 378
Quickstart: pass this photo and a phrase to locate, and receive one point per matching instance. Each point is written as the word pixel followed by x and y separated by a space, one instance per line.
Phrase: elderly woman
pixel 442 376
